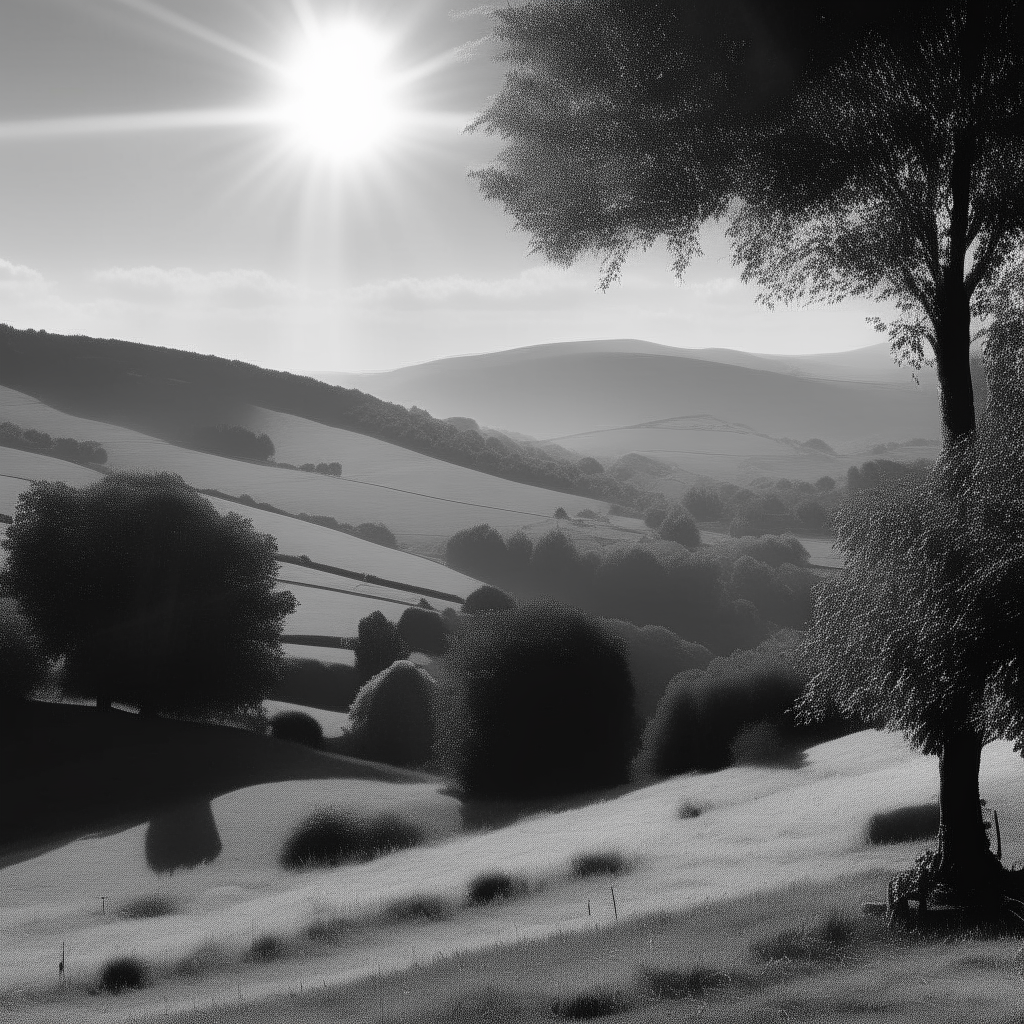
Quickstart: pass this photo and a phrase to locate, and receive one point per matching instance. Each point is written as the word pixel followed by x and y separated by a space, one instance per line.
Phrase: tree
pixel 378 645
pixel 22 666
pixel 152 596
pixel 852 149
pixel 923 634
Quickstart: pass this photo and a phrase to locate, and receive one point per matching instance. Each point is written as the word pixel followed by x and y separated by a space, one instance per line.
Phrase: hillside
pixel 169 394
pixel 554 391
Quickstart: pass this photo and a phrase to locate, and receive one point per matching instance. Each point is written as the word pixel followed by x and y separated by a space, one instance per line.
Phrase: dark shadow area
pixel 904 825
pixel 183 838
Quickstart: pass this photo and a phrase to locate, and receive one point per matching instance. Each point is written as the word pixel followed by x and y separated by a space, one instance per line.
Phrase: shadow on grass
pixel 913 823
pixel 182 838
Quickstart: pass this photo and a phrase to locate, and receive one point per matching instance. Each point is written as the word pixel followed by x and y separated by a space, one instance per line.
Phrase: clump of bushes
pixel 904 825
pixel 297 727
pixel 319 684
pixel 704 504
pixel 326 468
pixel 775 550
pixel 378 645
pixel 375 533
pixel 22 664
pixel 488 599
pixel 494 886
pixel 597 1002
pixel 153 905
pixel 428 907
pixel 327 839
pixel 703 711
pixel 539 703
pixel 603 862
pixel 763 744
pixel 655 517
pixel 392 717
pixel 423 630
pixel 67 448
pixel 123 973
pixel 234 442
pixel 679 526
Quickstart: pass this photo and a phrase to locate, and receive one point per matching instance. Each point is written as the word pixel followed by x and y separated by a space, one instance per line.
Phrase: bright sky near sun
pixel 284 182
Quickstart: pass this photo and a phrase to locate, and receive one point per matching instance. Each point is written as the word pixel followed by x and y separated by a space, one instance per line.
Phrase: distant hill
pixel 168 393
pixel 848 399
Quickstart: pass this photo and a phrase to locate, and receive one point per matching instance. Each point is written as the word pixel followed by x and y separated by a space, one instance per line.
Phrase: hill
pixel 170 394
pixel 561 390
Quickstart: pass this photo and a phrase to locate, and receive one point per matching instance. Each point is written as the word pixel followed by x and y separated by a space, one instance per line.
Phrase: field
pixel 421 500
pixel 758 833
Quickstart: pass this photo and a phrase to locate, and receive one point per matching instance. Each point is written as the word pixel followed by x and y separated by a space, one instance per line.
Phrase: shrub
pixel 541 704
pixel 183 837
pixel 392 717
pixel 427 907
pixel 688 809
pixel 478 551
pixel 655 517
pixel 604 862
pixel 22 665
pixel 494 886
pixel 679 526
pixel 598 1002
pixel 318 684
pixel 297 727
pixel 488 599
pixel 704 503
pixel 378 645
pixel 122 973
pixel 662 983
pixel 423 630
pixel 788 944
pixel 376 533
pixel 154 905
pixel 813 515
pixel 743 526
pixel 234 442
pixel 776 550
pixel 560 513
pixel 327 839
pixel 825 484
pixel 589 465
pixel 914 823
pixel 763 744
pixel 809 942
pixel 265 948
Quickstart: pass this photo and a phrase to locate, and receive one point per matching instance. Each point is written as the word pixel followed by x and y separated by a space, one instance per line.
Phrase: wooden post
pixel 615 905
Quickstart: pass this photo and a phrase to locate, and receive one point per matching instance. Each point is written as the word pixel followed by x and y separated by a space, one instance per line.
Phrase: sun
pixel 343 99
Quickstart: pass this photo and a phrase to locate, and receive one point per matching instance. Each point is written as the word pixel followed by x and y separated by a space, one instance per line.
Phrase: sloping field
pixel 413 495
pixel 759 829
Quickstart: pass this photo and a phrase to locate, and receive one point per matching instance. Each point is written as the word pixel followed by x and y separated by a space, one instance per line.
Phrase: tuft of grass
pixel 153 905
pixel 494 886
pixel 815 941
pixel 837 929
pixel 123 973
pixel 426 906
pixel 265 948
pixel 688 809
pixel 692 983
pixel 788 944
pixel 327 839
pixel 910 824
pixel 597 1002
pixel 607 862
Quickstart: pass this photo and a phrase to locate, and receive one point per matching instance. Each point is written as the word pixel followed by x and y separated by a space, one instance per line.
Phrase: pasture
pixel 758 831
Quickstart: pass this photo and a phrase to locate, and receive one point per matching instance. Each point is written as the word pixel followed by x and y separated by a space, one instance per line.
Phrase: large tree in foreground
pixel 153 598
pixel 871 149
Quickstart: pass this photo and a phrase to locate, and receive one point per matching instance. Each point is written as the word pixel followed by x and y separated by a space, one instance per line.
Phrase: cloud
pixel 15 277
pixel 184 283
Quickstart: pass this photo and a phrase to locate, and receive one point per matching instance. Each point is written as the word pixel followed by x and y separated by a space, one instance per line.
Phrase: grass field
pixel 420 499
pixel 759 831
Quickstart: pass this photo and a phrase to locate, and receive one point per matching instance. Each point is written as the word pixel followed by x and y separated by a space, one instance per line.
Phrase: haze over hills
pixel 851 400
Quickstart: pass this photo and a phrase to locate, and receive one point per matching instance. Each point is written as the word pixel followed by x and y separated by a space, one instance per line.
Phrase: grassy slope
pixel 433 498
pixel 760 830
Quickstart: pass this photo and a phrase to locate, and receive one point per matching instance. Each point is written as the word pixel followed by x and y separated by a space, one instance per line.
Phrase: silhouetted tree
pixel 680 526
pixel 378 645
pixel 152 596
pixel 488 599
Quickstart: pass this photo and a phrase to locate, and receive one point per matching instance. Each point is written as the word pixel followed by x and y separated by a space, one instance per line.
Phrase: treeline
pixel 376 533
pixel 879 472
pixel 159 389
pixel 67 448
pixel 232 442
pixel 723 598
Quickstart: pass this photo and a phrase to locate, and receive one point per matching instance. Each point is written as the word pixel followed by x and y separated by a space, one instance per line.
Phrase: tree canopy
pixel 151 596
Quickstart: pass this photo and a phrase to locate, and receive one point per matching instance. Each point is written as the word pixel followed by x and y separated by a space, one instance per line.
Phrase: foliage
pixel 234 442
pixel 655 517
pixel 560 513
pixel 392 717
pixel 704 503
pixel 22 664
pixel 153 597
pixel 825 483
pixel 493 887
pixel 691 983
pixel 876 473
pixel 375 533
pixel 590 465
pixel 602 862
pixel 378 645
pixel 423 630
pixel 326 468
pixel 776 551
pixel 904 824
pixel 764 744
pixel 151 905
pixel 488 599
pixel 297 727
pixel 590 1003
pixel 327 839
pixel 922 633
pixel 318 684
pixel 477 549
pixel 67 448
pixel 680 526
pixel 540 704
pixel 122 973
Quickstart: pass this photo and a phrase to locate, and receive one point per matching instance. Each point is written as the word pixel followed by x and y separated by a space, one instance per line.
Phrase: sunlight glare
pixel 343 103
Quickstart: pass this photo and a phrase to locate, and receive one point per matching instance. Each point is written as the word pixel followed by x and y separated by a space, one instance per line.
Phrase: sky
pixel 212 175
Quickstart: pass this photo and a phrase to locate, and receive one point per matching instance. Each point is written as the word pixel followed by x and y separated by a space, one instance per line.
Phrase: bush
pixel 423 630
pixel 327 839
pixel 318 684
pixel 234 442
pixel 679 526
pixel 688 809
pixel 427 907
pixel 478 551
pixel 704 503
pixel 22 665
pixel 122 973
pixel 606 862
pixel 589 465
pixel 376 533
pixel 392 717
pixel 488 599
pixel 911 824
pixel 541 704
pixel 743 526
pixel 763 744
pixel 598 1002
pixel 494 886
pixel 378 645
pixel 265 948
pixel 560 513
pixel 813 515
pixel 154 905
pixel 297 727
pixel 825 484
pixel 655 517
